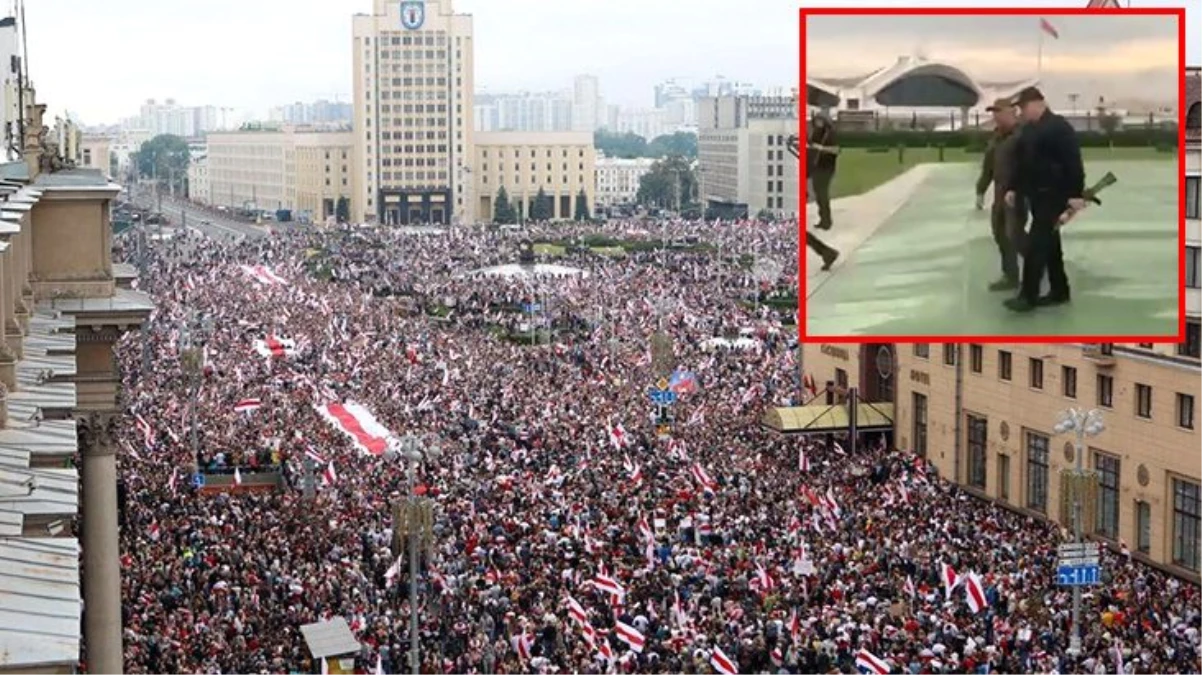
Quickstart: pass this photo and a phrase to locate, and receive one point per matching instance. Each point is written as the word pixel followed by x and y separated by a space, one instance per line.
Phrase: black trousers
pixel 822 193
pixel 817 245
pixel 1044 254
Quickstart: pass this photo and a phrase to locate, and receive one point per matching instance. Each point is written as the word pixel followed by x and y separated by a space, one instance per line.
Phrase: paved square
pixel 926 269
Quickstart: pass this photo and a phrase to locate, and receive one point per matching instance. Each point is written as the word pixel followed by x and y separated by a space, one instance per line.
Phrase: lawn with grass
pixel 860 169
pixel 553 250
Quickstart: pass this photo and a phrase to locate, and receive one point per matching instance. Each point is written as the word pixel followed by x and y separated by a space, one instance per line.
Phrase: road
pixel 182 213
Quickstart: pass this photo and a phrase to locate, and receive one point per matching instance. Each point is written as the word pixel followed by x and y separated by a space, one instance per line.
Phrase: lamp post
pixel 413 525
pixel 192 360
pixel 1081 423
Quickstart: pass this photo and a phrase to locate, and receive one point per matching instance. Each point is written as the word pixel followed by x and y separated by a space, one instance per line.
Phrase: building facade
pixel 1193 219
pixel 562 164
pixel 618 179
pixel 252 170
pixel 743 160
pixel 95 153
pixel 413 113
pixel 198 179
pixel 323 174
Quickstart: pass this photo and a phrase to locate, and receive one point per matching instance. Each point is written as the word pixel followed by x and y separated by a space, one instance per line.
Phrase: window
pixel 922 350
pixel 1143 526
pixel 1003 476
pixel 841 378
pixel 920 424
pixel 1068 381
pixel 1037 472
pixel 1105 391
pixel 1005 363
pixel 978 432
pixel 1143 401
pixel 976 358
pixel 1185 411
pixel 1107 467
pixel 1191 196
pixel 1191 267
pixel 1185 524
pixel 949 355
pixel 1036 373
pixel 1192 346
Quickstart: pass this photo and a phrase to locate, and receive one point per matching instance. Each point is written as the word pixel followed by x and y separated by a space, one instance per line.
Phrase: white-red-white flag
pixel 723 663
pixel 630 635
pixel 950 579
pixel 974 592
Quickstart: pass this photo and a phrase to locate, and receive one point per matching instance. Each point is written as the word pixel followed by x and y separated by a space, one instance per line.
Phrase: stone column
pixel 101 554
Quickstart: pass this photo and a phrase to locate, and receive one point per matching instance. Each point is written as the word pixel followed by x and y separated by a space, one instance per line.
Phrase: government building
pixel 984 415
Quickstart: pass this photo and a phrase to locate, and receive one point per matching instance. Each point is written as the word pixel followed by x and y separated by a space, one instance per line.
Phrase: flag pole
pixel 1039 57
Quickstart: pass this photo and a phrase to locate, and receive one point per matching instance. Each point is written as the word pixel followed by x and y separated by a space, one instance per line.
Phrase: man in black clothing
pixel 822 153
pixel 824 250
pixel 1049 177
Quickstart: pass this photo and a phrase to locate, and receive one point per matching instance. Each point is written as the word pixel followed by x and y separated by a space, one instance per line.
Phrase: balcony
pixel 1100 353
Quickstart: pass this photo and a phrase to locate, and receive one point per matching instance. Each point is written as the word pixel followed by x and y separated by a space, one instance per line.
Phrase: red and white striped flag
pixel 803 462
pixel 630 635
pixel 329 476
pixel 950 579
pixel 868 662
pixel 237 476
pixel 577 611
pixel 723 663
pixel 608 584
pixel 617 436
pixel 248 405
pixel 522 644
pixel 974 592
pixel 910 587
pixel 704 479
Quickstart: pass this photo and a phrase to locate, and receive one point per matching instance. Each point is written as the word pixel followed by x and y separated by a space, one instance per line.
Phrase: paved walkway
pixel 917 260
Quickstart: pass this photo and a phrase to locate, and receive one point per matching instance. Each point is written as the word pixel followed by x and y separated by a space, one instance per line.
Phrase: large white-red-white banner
pixel 364 430
pixel 273 347
pixel 264 275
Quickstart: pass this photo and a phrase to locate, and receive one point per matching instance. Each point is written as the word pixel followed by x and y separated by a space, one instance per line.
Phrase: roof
pixel 48 359
pixel 14 171
pixel 75 179
pixel 826 418
pixel 55 491
pixel 330 638
pixel 40 615
pixel 123 300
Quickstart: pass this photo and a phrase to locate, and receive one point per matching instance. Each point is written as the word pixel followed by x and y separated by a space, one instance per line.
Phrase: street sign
pixel 1078 575
pixel 198 480
pixel 1078 547
pixel 532 307
pixel 662 396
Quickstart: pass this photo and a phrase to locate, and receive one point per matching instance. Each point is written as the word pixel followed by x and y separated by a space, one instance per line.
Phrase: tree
pixel 670 183
pixel 342 209
pixel 681 143
pixel 582 206
pixel 624 146
pixel 541 209
pixel 164 158
pixel 503 211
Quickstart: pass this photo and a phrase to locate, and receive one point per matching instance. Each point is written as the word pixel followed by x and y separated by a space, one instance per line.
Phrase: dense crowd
pixel 569 536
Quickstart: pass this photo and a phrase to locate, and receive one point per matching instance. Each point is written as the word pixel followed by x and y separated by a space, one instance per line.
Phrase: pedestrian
pixel 822 155
pixel 1008 222
pixel 1049 176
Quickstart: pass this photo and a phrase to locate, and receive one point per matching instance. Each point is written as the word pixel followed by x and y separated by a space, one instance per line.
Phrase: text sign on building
pixel 413 14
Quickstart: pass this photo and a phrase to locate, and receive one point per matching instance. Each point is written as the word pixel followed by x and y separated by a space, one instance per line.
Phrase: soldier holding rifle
pixel 1048 174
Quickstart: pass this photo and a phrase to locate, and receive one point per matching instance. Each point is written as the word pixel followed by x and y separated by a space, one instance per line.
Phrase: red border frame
pixel 802 253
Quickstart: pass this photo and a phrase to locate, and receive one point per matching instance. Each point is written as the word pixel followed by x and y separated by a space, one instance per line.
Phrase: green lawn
pixel 860 170
pixel 552 250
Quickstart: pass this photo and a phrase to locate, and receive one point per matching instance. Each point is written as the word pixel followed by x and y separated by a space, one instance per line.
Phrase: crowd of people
pixel 570 533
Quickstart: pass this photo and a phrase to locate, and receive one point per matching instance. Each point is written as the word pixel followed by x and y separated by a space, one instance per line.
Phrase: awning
pixel 330 638
pixel 813 419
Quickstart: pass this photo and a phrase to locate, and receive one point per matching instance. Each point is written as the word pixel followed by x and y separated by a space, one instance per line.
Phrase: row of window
pixel 1185 409
pixel 1186 525
pixel 430 38
pixel 517 153
pixel 533 167
pixel 414 54
pixel 533 179
pixel 431 135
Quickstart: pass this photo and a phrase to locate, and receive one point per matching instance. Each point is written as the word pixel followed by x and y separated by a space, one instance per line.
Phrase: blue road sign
pixel 198 480
pixel 662 396
pixel 1078 575
pixel 532 307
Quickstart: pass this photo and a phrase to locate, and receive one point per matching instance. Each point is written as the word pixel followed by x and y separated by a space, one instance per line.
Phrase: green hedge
pixel 1128 138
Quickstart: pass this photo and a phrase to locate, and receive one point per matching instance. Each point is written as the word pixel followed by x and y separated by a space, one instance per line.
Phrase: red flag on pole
pixel 1049 28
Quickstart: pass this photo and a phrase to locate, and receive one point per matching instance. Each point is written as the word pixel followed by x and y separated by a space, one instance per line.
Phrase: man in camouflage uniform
pixel 1009 222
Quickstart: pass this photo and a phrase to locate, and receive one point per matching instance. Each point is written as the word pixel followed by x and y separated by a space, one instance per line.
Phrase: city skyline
pixel 587 37
pixel 1139 58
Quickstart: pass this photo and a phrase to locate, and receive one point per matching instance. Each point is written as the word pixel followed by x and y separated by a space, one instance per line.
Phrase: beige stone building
pixel 301 169
pixel 63 306
pixel 95 153
pixel 198 180
pixel 744 166
pixel 323 173
pixel 413 92
pixel 561 163
pixel 985 416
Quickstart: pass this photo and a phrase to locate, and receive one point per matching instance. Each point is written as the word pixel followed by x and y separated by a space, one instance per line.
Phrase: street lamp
pixel 192 361
pixel 413 524
pixel 1081 423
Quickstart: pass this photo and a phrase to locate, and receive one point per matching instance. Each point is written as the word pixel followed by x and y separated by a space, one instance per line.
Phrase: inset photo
pixel 984 173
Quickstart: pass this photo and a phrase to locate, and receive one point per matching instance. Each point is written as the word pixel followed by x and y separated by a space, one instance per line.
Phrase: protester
pixel 723 546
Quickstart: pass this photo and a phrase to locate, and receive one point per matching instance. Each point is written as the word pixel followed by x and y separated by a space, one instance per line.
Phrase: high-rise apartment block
pixel 413 112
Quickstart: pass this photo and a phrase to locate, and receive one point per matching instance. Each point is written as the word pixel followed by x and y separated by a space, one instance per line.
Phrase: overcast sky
pixel 101 59
pixel 1115 57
